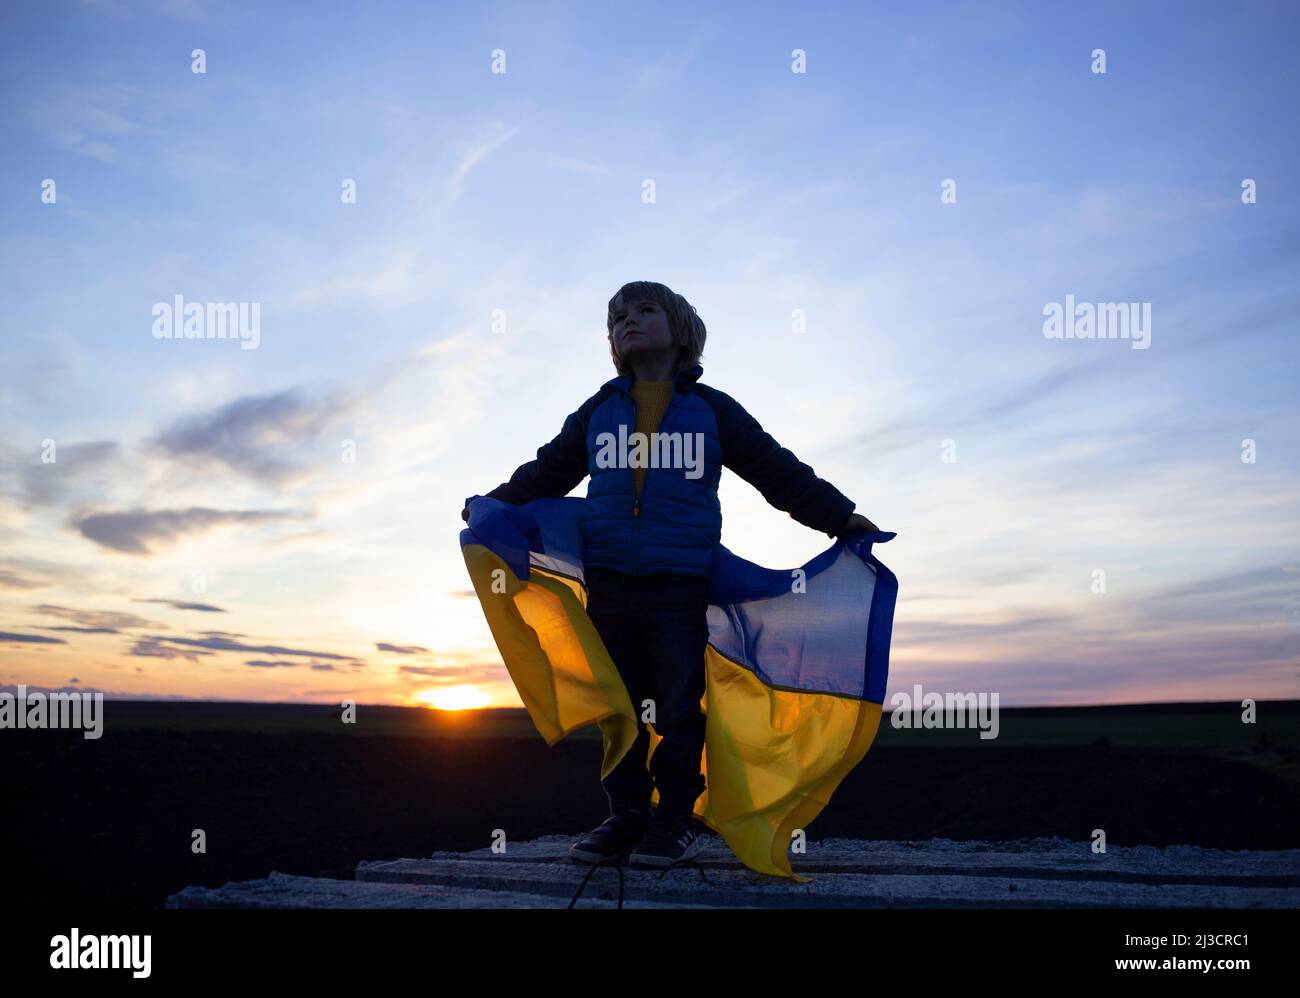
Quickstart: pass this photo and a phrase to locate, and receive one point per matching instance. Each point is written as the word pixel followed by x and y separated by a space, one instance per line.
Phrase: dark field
pixel 108 823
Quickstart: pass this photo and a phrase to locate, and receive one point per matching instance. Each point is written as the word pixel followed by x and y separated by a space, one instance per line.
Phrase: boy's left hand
pixel 854 523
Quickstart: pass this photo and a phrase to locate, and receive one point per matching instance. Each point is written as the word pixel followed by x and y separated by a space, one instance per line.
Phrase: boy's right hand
pixel 857 522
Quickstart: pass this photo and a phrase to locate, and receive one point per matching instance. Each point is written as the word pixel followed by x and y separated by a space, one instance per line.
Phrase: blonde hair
pixel 684 323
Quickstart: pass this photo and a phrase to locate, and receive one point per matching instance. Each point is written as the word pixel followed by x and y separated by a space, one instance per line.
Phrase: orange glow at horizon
pixel 453 698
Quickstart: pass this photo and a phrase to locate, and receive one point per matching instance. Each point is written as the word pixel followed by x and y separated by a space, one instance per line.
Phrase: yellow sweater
pixel 651 401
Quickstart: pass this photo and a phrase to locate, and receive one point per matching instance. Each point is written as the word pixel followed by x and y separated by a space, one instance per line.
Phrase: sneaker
pixel 669 838
pixel 613 838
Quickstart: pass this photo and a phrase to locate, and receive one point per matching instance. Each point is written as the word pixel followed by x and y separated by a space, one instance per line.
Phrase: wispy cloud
pixel 382 276
pixel 33 639
pixel 471 155
pixel 111 619
pixel 973 407
pixel 181 605
pixel 264 437
pixel 141 531
pixel 402 649
pixel 91 121
pixel 227 644
pixel 153 647
pixel 447 675
pixel 74 468
pixel 670 67
pixel 10 579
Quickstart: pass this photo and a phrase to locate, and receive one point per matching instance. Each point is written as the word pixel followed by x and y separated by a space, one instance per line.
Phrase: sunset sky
pixel 200 532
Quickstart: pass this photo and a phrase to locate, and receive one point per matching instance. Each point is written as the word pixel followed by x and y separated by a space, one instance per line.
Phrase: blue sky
pixel 518 195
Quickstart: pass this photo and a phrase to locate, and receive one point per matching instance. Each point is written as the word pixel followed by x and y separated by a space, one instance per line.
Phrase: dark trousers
pixel 655 628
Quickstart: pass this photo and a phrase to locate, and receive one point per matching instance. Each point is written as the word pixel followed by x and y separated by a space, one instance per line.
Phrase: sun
pixel 453 698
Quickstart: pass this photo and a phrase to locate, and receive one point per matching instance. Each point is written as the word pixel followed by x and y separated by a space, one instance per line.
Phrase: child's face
pixel 641 331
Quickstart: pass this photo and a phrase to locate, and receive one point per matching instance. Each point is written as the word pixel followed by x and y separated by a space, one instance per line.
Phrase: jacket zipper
pixel 636 501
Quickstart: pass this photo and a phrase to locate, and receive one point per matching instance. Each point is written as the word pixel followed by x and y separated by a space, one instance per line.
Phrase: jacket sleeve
pixel 559 466
pixel 785 481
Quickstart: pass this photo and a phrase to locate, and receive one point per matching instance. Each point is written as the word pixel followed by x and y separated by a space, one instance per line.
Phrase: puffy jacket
pixel 673 526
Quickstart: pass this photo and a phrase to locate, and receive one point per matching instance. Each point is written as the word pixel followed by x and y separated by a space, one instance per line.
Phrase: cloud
pixel 447 674
pixel 132 532
pixel 33 573
pixel 256 435
pixel 912 633
pixel 300 538
pixel 90 120
pixel 472 155
pixel 1220 636
pixel 402 649
pixel 113 619
pixel 152 647
pixel 226 644
pixel 179 605
pixel 13 580
pixel 107 694
pixel 1262 596
pixel 350 692
pixel 260 663
pixel 384 277
pixel 9 637
pixel 1258 583
pixel 993 406
pixel 49 484
pixel 1210 661
pixel 85 630
pixel 671 67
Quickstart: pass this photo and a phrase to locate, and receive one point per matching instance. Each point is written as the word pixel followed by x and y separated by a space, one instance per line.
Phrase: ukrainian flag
pixel 795 669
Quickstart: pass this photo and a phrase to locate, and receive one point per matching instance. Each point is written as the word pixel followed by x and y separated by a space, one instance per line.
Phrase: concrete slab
pixel 940 873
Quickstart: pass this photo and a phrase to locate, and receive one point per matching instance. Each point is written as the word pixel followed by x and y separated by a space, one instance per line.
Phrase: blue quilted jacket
pixel 674 525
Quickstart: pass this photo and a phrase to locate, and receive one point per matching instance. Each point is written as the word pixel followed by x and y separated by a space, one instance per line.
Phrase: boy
pixel 648 536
